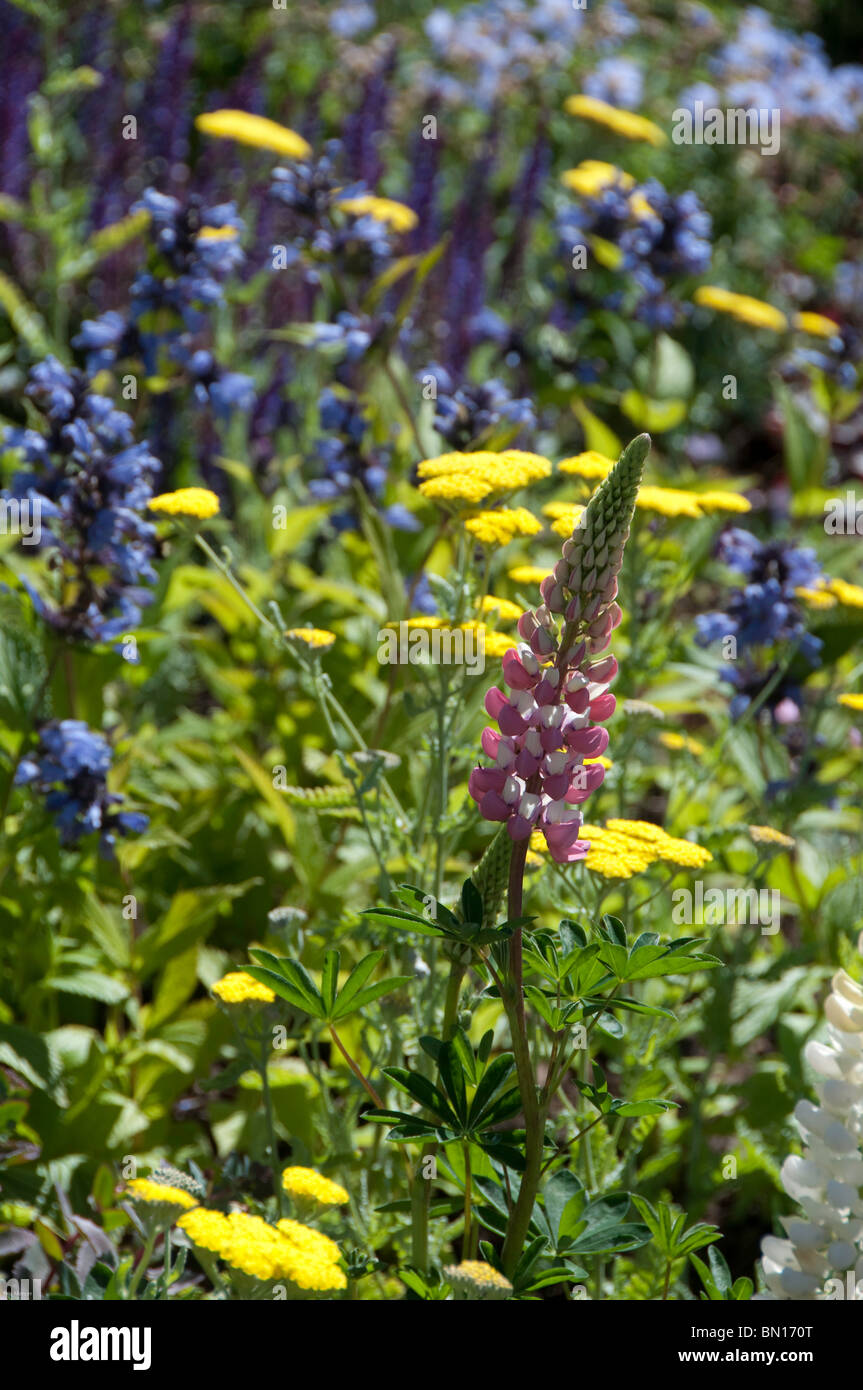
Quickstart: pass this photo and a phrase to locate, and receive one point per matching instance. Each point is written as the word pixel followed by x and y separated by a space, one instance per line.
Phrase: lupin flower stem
pixel 547 729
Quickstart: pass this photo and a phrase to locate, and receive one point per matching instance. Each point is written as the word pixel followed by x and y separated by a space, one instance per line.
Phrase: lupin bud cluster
pixel 559 691
pixel 821 1257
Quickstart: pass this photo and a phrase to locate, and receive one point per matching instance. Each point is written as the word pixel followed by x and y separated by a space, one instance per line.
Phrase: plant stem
pixel 403 401
pixel 146 1257
pixel 421 1186
pixel 271 1127
pixel 468 1233
pixel 325 695
pixel 534 1112
pixel 363 1080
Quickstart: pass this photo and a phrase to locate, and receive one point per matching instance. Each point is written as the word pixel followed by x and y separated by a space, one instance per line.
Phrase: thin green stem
pixel 420 1185
pixel 534 1111
pixel 263 1068
pixel 358 1073
pixel 146 1257
pixel 467 1236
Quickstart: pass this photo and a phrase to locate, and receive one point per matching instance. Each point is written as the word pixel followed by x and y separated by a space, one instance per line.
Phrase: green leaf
pixel 91 984
pixel 471 903
pixel 22 669
pixel 719 1269
pixel 354 996
pixel 403 921
pixel 375 991
pixel 329 981
pixel 654 416
pixel 495 1076
pixel 452 1076
pixel 420 1089
pixel 290 983
pixel 561 1190
pixel 30 1055
pixel 632 1108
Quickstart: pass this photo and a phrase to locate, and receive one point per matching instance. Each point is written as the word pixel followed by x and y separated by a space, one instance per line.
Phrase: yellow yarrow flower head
pixel 615 855
pixel 254 1248
pixel 851 701
pixel 239 988
pixel 257 131
pixel 817 325
pixel 623 848
pixel 422 622
pixel 686 853
pixel 198 502
pixel 158 1204
pixel 668 501
pixel 624 123
pixel 679 743
pixel 396 215
pixel 454 462
pixel 169 1176
pixel 723 502
pixel 494 644
pixel 528 574
pixel 564 516
pixel 317 638
pixel 313 1263
pixel 849 595
pixel 475 1281
pixel 499 527
pixel 666 847
pixel 472 478
pixel 312 1187
pixel 590 464
pixel 254 1251
pixel 456 488
pixel 741 307
pixel 591 176
pixel 217 234
pixel 639 829
pixel 816 598
pixel 766 835
pixel 207 1229
pixel 506 610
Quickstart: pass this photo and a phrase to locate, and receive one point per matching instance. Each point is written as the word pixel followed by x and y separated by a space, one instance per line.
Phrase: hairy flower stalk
pixel 822 1256
pixel 547 727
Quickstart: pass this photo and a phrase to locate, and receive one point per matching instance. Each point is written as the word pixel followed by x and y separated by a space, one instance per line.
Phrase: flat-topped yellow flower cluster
pixel 249 1245
pixel 623 848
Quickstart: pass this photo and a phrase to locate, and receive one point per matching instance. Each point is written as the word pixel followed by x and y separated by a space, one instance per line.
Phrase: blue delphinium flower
pixel 91 482
pixel 352 334
pixel 421 595
pixel 349 460
pixel 321 231
pixel 194 251
pixel 673 241
pixel 466 414
pixel 762 615
pixel 69 768
pixel 661 237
